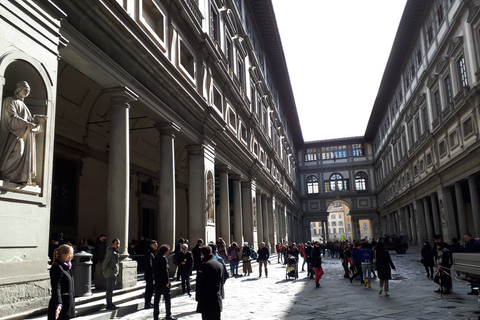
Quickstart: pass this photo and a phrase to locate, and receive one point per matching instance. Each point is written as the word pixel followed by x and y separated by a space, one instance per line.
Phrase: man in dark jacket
pixel 149 288
pixel 162 282
pixel 196 251
pixel 111 268
pixel 185 263
pixel 263 254
pixel 308 253
pixel 209 286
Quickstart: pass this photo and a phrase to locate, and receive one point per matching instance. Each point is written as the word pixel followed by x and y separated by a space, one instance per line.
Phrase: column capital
pixel 224 168
pixel 120 95
pixel 167 128
pixel 238 177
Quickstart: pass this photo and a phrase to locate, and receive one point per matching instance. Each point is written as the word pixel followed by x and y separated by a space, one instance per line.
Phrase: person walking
pixel 111 268
pixel 263 255
pixel 234 257
pixel 246 253
pixel 162 282
pixel 367 260
pixel 384 266
pixel 197 260
pixel 149 287
pixel 427 259
pixel 316 262
pixel 222 248
pixel 62 302
pixel 278 250
pixel 308 252
pixel 185 264
pixel 443 262
pixel 357 263
pixel 209 286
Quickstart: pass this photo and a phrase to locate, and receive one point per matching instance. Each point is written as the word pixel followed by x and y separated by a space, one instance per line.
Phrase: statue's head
pixel 23 89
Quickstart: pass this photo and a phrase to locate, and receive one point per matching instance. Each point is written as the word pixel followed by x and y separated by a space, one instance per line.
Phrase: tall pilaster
pixel 403 224
pixel 258 201
pixel 248 189
pixel 355 235
pixel 167 211
pixel 223 215
pixel 118 193
pixel 271 221
pixel 422 230
pixel 265 219
pixel 428 218
pixel 449 213
pixel 238 222
pixel 472 184
pixel 413 221
pixel 462 218
pixel 436 214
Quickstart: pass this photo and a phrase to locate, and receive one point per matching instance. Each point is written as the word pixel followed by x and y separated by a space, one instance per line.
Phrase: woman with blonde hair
pixel 62 303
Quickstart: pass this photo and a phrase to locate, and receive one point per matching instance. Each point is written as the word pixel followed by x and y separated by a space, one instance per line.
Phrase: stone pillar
pixel 238 222
pixel 271 221
pixel 422 230
pixel 201 210
pixel 258 202
pixel 247 205
pixel 167 208
pixel 436 214
pixel 355 229
pixel 475 229
pixel 223 216
pixel 325 231
pixel 413 221
pixel 401 216
pixel 462 218
pixel 449 213
pixel 428 218
pixel 118 193
pixel 265 219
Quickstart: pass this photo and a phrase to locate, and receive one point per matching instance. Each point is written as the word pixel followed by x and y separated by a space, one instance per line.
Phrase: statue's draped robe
pixel 17 142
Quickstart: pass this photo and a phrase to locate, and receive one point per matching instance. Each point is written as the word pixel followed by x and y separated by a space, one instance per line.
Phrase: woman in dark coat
pixel 316 261
pixel 427 259
pixel 62 303
pixel 384 263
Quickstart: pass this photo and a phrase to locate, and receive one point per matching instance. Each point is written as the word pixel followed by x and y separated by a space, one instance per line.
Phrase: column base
pixel 127 276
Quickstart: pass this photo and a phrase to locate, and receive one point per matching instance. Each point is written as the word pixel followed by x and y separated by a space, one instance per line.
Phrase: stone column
pixel 475 229
pixel 224 210
pixel 325 231
pixel 422 230
pixel 265 219
pixel 118 193
pixel 462 218
pixel 449 213
pixel 355 234
pixel 247 205
pixel 167 209
pixel 436 214
pixel 401 216
pixel 271 221
pixel 408 224
pixel 413 221
pixel 428 218
pixel 237 211
pixel 258 201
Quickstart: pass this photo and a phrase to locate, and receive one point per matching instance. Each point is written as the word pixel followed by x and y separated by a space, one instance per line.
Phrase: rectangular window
pixel 425 120
pixel 357 150
pixel 437 103
pixel 334 152
pixel 311 154
pixel 462 72
pixel 217 99
pixel 214 24
pixel 241 72
pixel 467 127
pixel 187 60
pixel 253 98
pixel 448 89
pixel 411 135
pixel 417 126
pixel 442 148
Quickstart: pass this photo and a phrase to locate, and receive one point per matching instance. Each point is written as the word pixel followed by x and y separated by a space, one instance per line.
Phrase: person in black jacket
pixel 149 288
pixel 185 264
pixel 384 266
pixel 162 282
pixel 197 260
pixel 62 303
pixel 427 259
pixel 263 255
pixel 209 286
pixel 316 261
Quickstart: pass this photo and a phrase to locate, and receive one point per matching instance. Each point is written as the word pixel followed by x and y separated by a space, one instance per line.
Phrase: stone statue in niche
pixel 17 138
pixel 210 200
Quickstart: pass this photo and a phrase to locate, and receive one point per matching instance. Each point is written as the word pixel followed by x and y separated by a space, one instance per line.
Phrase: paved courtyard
pixel 274 298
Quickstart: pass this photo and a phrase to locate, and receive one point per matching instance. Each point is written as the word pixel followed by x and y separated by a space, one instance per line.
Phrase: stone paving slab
pixel 411 296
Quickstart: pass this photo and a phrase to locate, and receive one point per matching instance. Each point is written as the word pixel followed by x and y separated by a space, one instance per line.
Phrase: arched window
pixel 361 181
pixel 335 183
pixel 312 184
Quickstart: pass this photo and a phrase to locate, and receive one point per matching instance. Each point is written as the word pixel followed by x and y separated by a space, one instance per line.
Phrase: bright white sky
pixel 336 53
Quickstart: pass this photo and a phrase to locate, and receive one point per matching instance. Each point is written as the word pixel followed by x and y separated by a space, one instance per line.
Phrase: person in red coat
pixel 62 303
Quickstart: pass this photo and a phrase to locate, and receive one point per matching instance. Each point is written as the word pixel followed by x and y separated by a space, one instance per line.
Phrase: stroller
pixel 292 268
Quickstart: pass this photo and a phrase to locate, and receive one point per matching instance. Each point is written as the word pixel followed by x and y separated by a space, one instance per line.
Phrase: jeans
pixel 109 291
pixel 367 271
pixel 234 268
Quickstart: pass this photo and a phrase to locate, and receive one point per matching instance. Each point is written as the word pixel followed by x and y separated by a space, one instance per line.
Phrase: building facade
pixel 424 127
pixel 166 119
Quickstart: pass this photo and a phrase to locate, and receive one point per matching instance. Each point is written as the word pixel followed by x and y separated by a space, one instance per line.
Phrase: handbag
pixel 229 257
